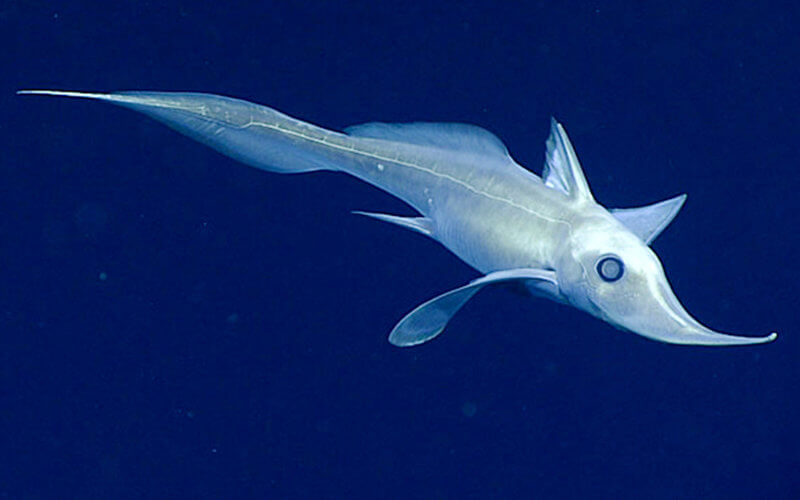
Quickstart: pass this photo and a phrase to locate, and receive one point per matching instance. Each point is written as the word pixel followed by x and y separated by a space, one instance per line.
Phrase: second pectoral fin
pixel 429 319
pixel 423 225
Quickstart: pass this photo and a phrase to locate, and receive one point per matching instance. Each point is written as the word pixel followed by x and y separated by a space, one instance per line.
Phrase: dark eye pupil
pixel 610 268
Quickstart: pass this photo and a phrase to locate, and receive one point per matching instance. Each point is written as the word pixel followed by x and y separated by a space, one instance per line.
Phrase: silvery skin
pixel 548 234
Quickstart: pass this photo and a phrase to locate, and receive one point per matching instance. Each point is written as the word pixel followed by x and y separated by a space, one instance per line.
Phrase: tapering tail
pixel 256 135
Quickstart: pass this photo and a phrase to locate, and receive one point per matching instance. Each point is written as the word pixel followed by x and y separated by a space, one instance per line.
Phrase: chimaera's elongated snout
pixel 622 281
pixel 660 316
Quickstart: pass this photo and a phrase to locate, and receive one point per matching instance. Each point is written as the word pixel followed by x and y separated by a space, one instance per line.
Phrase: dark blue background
pixel 237 345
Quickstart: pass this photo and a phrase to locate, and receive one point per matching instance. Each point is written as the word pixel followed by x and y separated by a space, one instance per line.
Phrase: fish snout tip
pixel 697 334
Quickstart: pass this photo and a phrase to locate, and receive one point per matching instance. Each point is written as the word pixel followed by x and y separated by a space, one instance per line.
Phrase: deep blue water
pixel 176 325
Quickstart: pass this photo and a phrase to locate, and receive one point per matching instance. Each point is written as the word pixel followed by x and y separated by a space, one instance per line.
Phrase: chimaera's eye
pixel 610 268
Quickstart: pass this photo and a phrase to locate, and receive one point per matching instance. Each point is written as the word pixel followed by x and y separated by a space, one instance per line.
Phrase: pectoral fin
pixel 648 222
pixel 429 319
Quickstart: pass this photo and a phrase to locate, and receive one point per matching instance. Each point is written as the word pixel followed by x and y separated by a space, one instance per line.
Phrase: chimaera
pixel 548 234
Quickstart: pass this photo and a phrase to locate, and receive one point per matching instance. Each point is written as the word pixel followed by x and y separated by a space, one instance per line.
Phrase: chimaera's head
pixel 610 272
pixel 607 268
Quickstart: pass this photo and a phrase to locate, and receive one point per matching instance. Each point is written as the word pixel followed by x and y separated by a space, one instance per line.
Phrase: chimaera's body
pixel 546 233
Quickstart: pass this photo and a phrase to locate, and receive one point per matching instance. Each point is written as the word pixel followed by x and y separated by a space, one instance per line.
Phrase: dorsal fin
pixel 452 136
pixel 562 170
